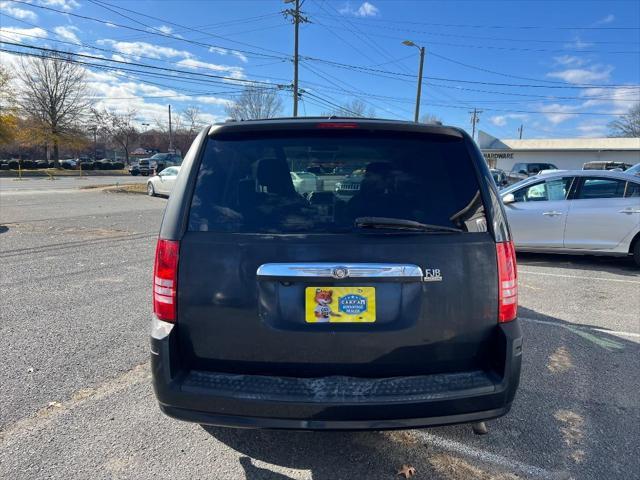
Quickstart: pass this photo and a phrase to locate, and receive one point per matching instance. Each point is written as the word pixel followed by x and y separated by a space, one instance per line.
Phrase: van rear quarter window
pixel 321 181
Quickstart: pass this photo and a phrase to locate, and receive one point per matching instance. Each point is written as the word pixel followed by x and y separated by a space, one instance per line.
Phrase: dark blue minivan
pixel 393 307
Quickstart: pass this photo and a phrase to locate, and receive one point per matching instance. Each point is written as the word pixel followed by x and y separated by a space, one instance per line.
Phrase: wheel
pixel 150 191
pixel 636 253
pixel 134 173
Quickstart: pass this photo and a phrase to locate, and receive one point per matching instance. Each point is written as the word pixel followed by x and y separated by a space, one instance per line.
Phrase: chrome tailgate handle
pixel 340 271
pixel 552 213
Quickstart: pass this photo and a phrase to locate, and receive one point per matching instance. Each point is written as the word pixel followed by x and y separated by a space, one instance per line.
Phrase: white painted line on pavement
pixel 603 330
pixel 484 456
pixel 605 279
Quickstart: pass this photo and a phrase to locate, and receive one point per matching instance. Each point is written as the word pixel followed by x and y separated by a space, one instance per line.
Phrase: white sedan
pixel 580 211
pixel 162 183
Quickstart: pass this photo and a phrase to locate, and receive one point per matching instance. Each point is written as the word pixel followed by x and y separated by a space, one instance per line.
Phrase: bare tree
pixel 55 95
pixel 354 108
pixel 430 118
pixel 628 125
pixel 191 117
pixel 255 103
pixel 117 127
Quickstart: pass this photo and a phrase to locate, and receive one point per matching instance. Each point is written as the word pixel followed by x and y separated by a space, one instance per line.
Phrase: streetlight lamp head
pixel 409 43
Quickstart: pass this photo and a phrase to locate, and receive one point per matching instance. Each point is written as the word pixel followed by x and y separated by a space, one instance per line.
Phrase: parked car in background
pixel 500 177
pixel 579 211
pixel 155 164
pixel 304 182
pixel 521 171
pixel 635 170
pixel 69 163
pixel 162 183
pixel 396 309
pixel 620 166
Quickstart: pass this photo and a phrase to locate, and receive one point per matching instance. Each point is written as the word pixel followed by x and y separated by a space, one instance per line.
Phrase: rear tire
pixel 150 190
pixel 636 253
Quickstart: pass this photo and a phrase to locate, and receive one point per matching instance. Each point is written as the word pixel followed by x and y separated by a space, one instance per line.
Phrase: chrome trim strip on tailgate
pixel 340 270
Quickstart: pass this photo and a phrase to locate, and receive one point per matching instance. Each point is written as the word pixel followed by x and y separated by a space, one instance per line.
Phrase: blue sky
pixel 562 69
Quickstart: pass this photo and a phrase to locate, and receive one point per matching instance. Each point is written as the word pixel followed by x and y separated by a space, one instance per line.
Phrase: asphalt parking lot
pixel 76 402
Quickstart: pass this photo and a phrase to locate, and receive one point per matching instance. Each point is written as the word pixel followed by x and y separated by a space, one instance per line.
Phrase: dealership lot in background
pixel 75 279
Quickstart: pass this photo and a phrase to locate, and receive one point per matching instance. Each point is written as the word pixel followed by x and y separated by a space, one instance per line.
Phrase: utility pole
pixel 170 132
pixel 475 118
pixel 520 131
pixel 294 13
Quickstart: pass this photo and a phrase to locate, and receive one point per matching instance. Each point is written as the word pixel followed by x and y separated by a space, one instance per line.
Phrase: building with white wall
pixel 564 153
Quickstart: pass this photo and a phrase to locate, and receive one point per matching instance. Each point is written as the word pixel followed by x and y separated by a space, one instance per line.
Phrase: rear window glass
pixel 321 182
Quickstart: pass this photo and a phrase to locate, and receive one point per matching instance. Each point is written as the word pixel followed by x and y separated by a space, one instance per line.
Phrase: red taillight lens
pixel 165 280
pixel 507 282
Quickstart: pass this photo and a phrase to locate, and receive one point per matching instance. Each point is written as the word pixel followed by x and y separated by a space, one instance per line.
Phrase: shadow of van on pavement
pixel 576 415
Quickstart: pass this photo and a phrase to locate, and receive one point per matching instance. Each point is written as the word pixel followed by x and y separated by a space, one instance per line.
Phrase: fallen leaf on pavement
pixel 407 471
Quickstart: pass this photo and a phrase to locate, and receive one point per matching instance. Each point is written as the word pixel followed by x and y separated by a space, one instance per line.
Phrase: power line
pixel 507 48
pixel 511 26
pixel 159 34
pixel 107 6
pixel 154 67
pixel 476 37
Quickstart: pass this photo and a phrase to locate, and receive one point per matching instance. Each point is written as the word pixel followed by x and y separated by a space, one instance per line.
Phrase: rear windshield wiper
pixel 401 224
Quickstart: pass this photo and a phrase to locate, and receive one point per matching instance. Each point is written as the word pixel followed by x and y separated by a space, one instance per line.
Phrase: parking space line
pixel 585 332
pixel 485 456
pixel 561 275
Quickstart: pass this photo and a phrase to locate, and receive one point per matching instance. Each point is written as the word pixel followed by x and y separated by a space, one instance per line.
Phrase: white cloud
pixel 235 72
pixel 595 73
pixel 578 44
pixel 557 113
pixel 165 29
pixel 224 51
pixel 593 128
pixel 605 20
pixel 366 9
pixel 16 34
pixel 570 61
pixel 501 120
pixel 144 49
pixel 240 56
pixel 614 100
pixel 67 33
pixel 17 12
pixel 110 25
pixel 213 100
pixel 63 4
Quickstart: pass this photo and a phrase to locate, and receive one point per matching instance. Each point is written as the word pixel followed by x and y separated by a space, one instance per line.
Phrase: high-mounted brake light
pixel 507 282
pixel 165 280
pixel 336 125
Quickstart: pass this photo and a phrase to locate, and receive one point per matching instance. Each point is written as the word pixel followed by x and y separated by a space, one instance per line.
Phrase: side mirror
pixel 508 198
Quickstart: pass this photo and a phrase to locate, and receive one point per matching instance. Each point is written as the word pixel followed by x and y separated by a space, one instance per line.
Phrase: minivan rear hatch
pixel 397 277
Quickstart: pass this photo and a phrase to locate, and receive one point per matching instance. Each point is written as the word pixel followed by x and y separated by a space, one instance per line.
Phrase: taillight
pixel 165 280
pixel 507 282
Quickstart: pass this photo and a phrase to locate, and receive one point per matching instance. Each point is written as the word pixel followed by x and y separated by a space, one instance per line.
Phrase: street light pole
pixel 409 43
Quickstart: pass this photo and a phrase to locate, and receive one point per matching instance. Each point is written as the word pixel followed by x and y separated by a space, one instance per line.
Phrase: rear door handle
pixel 630 210
pixel 552 213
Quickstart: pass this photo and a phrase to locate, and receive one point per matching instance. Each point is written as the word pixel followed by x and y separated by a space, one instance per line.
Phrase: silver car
pixel 580 211
pixel 162 183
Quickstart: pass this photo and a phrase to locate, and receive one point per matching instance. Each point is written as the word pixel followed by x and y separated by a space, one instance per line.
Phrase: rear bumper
pixel 334 403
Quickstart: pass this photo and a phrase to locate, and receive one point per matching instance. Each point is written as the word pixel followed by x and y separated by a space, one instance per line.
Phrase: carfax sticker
pixel 340 304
